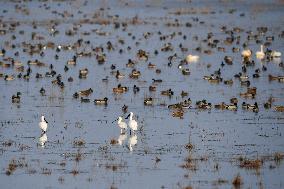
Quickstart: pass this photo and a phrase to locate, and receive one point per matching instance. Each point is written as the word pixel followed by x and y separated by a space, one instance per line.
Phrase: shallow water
pixel 219 138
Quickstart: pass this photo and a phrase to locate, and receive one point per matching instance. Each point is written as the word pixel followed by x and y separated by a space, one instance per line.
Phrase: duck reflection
pixel 42 139
pixel 132 141
pixel 122 137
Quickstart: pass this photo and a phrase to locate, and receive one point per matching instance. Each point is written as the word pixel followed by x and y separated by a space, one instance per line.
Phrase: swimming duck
pixel 130 63
pixel 245 83
pixel 148 101
pixel 86 92
pixel 244 77
pixel 152 88
pixel 101 58
pixel 119 75
pixel 268 104
pixel 233 107
pixel 124 108
pixel 151 66
pixel 101 101
pixel 120 89
pixel 168 92
pixel 9 78
pixel 251 90
pixel 234 100
pixel 142 55
pixel 215 79
pixel 220 106
pixel 186 103
pixel 228 60
pixel 76 95
pixel 135 74
pixel 279 108
pixel 83 73
pixel 72 61
pixel 247 95
pixel 175 106
pixel 42 91
pixel 253 107
pixel 157 80
pixel 203 104
pixel 135 89
pixel 16 98
pixel 70 79
pixel 66 68
pixel 185 71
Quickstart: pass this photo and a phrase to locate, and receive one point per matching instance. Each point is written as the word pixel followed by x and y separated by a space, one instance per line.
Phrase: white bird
pixel 43 124
pixel 42 139
pixel 132 141
pixel 276 54
pixel 192 58
pixel 246 53
pixel 121 124
pixel 132 123
pixel 122 137
pixel 260 54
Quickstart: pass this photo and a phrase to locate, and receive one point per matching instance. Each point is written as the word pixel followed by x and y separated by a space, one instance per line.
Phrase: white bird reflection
pixel 132 141
pixel 122 137
pixel 42 139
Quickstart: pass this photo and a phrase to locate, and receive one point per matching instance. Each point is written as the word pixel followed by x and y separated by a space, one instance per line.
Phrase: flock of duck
pixel 24 71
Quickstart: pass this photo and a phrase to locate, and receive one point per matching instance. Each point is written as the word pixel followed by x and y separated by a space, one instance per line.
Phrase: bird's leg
pixel 130 131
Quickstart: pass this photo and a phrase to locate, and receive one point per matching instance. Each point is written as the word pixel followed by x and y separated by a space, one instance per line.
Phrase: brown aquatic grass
pixel 251 164
pixel 278 157
pixel 14 164
pixel 237 181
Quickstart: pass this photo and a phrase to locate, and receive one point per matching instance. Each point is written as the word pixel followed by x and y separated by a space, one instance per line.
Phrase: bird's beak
pixel 127 116
pixel 114 120
pixel 45 120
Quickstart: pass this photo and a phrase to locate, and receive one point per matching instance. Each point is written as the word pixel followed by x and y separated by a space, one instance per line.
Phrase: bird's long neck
pixel 130 117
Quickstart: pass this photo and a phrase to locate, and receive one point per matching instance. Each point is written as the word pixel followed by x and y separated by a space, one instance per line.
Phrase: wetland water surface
pixel 83 148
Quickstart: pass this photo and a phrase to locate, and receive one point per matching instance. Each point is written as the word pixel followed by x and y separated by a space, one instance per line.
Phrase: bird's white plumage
pixel 121 124
pixel 132 141
pixel 132 123
pixel 192 58
pixel 246 53
pixel 276 54
pixel 260 54
pixel 43 124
